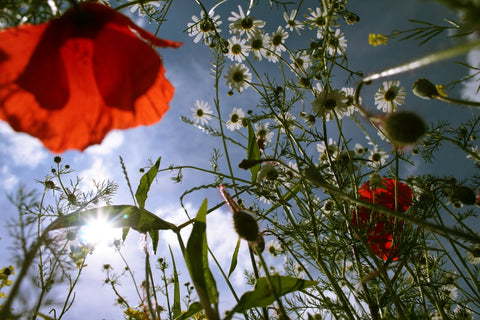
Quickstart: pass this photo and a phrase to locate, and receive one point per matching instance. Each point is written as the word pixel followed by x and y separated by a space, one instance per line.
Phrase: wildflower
pixel 286 121
pixel 240 23
pixel 473 254
pixel 377 157
pixel 292 24
pixel 330 104
pixel 350 100
pixel 259 42
pixel 235 119
pixel 277 40
pixel 318 19
pixel 238 77
pixel 238 50
pixel 274 248
pixel 383 233
pixel 327 150
pixel 145 8
pixel 70 81
pixel 336 43
pixel 263 132
pixel 389 96
pixel 377 39
pixel 202 112
pixel 301 61
pixel 267 172
pixel 204 27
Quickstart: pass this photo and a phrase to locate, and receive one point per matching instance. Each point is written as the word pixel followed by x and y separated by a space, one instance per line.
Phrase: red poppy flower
pixel 70 81
pixel 381 229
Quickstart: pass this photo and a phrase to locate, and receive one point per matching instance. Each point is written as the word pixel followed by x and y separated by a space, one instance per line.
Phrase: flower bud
pixel 245 225
pixel 424 89
pixel 463 194
pixel 404 127
pixel 258 244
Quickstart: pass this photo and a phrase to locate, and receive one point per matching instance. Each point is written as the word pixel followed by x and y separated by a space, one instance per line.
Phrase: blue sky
pixel 23 159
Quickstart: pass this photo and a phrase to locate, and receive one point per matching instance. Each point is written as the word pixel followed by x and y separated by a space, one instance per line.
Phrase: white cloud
pixel 23 149
pixel 470 87
pixel 9 180
pixel 111 142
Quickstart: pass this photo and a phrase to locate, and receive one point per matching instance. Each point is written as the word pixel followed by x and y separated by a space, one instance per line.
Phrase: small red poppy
pixel 381 230
pixel 70 81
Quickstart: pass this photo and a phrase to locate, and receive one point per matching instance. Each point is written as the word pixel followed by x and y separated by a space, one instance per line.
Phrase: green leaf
pixel 145 183
pixel 177 308
pixel 196 259
pixel 193 309
pixel 233 264
pixel 253 152
pixel 118 216
pixel 154 234
pixel 263 295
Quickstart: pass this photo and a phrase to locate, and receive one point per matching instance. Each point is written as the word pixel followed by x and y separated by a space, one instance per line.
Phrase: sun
pixel 99 231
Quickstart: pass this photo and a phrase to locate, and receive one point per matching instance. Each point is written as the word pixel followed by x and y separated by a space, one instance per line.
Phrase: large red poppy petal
pixel 124 66
pixel 45 76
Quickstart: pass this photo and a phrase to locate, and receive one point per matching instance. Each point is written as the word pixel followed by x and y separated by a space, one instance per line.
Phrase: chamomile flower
pixel 287 121
pixel 235 119
pixel 336 43
pixel 238 49
pixel 377 157
pixel 204 27
pixel 277 40
pixel 262 132
pixel 350 100
pixel 390 96
pixel 274 248
pixel 202 112
pixel 327 104
pixel 360 150
pixel 473 255
pixel 259 43
pixel 144 8
pixel 318 19
pixel 238 77
pixel 301 61
pixel 292 23
pixel 241 24
pixel 331 148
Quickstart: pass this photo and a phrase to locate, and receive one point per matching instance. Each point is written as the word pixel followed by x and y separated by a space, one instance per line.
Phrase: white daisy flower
pixel 473 255
pixel 327 104
pixel 238 50
pixel 235 119
pixel 350 100
pixel 202 112
pixel 263 132
pixel 332 148
pixel 377 157
pixel 277 40
pixel 144 8
pixel 390 96
pixel 336 43
pixel 288 121
pixel 318 20
pixel 274 248
pixel 204 27
pixel 292 23
pixel 301 61
pixel 238 77
pixel 259 43
pixel 240 23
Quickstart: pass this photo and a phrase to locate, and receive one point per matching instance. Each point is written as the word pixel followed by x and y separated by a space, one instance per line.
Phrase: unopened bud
pixel 245 225
pixel 424 89
pixel 463 194
pixel 404 127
